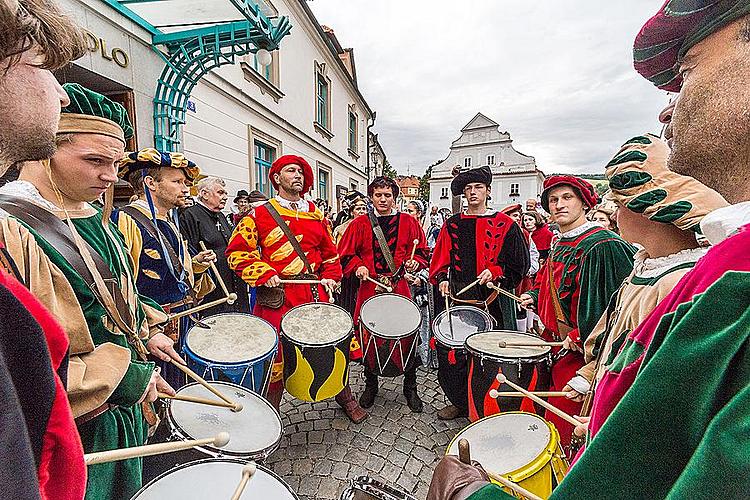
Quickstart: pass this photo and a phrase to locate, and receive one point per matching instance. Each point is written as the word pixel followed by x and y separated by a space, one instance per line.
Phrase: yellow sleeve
pixel 133 238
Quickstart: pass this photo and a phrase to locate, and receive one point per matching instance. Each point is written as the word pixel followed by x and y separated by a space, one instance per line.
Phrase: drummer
pixel 385 258
pixel 163 268
pixel 260 252
pixel 479 243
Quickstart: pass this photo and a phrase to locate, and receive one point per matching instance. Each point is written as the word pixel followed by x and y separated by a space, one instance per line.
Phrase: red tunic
pixel 542 237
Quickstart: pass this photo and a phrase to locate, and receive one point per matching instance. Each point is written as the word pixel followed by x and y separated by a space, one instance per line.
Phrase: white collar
pixel 579 230
pixel 393 212
pixel 487 212
pixel 646 267
pixel 302 205
pixel 722 222
pixel 28 191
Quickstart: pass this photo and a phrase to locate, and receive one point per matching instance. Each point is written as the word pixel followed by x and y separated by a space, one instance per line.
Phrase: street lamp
pixel 263 57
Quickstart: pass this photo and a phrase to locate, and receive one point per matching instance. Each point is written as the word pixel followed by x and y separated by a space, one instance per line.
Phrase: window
pixel 490 159
pixel 323 184
pixel 467 162
pixel 353 185
pixel 353 119
pixel 514 189
pixel 444 193
pixel 264 157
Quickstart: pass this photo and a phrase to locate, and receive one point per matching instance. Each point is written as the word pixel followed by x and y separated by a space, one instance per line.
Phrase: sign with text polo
pixel 99 44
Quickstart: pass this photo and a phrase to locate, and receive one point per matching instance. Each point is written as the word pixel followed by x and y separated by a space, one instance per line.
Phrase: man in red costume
pixel 572 290
pixel 260 253
pixel 362 255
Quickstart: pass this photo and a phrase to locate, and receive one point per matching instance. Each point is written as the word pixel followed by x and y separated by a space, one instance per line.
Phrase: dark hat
pixel 240 194
pixel 256 196
pixel 584 189
pixel 482 175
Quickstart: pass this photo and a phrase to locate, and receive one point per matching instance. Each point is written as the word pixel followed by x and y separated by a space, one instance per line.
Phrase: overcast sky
pixel 557 75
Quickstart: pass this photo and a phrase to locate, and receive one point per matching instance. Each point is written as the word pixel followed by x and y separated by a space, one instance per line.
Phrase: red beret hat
pixel 285 160
pixel 512 208
pixel 584 189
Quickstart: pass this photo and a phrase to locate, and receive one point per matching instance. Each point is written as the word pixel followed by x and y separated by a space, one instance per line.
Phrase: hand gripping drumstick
pixel 464 455
pixel 377 283
pixel 504 292
pixel 414 248
pixel 216 272
pixel 195 399
pixel 467 287
pixel 190 373
pixel 331 299
pixel 554 409
pixel 544 394
pixel 220 440
pixel 503 343
pixel 229 299
pixel 248 472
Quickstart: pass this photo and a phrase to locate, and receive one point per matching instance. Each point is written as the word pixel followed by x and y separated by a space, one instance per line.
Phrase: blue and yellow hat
pixel 153 158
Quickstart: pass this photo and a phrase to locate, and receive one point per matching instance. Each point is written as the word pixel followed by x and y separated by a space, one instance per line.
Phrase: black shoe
pixel 367 398
pixel 412 399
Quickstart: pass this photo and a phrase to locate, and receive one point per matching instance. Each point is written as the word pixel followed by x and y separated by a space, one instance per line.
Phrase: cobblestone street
pixel 321 449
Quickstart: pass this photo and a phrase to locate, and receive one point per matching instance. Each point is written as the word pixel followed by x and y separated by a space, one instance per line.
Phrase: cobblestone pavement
pixel 321 449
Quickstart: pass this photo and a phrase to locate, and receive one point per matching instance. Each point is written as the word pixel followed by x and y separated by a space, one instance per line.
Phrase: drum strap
pixel 380 237
pixel 563 328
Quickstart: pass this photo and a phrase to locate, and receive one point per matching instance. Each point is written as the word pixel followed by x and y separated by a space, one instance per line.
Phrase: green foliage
pixel 388 170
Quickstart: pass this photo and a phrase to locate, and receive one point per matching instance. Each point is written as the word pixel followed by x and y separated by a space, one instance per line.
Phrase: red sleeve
pixel 350 246
pixel 243 254
pixel 441 256
pixel 330 268
pixel 421 253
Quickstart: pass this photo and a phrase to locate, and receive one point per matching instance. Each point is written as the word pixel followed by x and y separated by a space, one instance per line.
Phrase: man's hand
pixel 273 281
pixel 444 288
pixel 156 385
pixel 454 479
pixel 574 395
pixel 527 301
pixel 411 265
pixel 570 345
pixel 582 428
pixel 485 277
pixel 362 273
pixel 329 285
pixel 205 257
pixel 162 347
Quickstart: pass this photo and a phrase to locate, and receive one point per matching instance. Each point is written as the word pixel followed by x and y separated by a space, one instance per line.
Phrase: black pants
pixel 410 378
pixel 453 378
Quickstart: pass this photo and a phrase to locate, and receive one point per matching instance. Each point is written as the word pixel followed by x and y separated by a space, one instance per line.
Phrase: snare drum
pixel 236 347
pixel 366 488
pixel 486 358
pixel 389 328
pixel 214 478
pixel 523 447
pixel 464 321
pixel 315 340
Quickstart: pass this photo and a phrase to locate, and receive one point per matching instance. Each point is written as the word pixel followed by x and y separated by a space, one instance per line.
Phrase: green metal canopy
pixel 196 36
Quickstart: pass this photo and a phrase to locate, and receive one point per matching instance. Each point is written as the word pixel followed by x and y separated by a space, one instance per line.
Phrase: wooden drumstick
pixel 464 455
pixel 190 373
pixel 554 409
pixel 248 472
pixel 467 287
pixel 195 399
pixel 216 272
pixel 219 440
pixel 414 248
pixel 503 343
pixel 229 299
pixel 300 282
pixel 381 285
pixel 543 394
pixel 504 292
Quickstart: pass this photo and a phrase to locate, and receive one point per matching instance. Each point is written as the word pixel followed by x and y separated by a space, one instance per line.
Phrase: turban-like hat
pixel 92 113
pixel 307 173
pixel 675 29
pixel 152 158
pixel 481 175
pixel 584 189
pixel 640 181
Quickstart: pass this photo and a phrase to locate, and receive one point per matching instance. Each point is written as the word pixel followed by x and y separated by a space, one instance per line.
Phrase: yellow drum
pixel 315 338
pixel 520 446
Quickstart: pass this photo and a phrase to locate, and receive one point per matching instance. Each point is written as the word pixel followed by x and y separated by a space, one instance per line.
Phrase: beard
pixel 17 146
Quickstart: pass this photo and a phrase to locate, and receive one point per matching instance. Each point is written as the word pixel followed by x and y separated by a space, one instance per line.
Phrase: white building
pixel 515 176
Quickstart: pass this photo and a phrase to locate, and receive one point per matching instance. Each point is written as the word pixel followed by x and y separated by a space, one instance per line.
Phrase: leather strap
pixel 9 265
pixel 93 414
pixel 382 243
pixel 289 235
pixel 154 231
pixel 563 328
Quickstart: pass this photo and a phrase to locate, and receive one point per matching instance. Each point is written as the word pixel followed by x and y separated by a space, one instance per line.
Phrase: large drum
pixel 214 478
pixel 236 347
pixel 486 358
pixel 523 447
pixel 389 330
pixel 464 320
pixel 366 488
pixel 316 339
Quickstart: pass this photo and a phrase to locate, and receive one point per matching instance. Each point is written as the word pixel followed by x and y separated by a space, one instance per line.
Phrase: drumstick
pixel 216 272
pixel 529 344
pixel 377 283
pixel 450 317
pixel 554 409
pixel 229 299
pixel 300 282
pixel 248 472
pixel 467 287
pixel 544 394
pixel 195 399
pixel 219 440
pixel 190 373
pixel 464 455
pixel 504 292
pixel 414 248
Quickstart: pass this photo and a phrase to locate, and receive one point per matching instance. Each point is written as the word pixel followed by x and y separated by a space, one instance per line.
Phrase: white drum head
pixel 214 478
pixel 505 442
pixel 390 315
pixel 317 323
pixel 465 321
pixel 489 343
pixel 232 338
pixel 254 430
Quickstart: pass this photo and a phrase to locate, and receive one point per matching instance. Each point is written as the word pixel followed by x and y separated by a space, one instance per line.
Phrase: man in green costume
pixel 57 238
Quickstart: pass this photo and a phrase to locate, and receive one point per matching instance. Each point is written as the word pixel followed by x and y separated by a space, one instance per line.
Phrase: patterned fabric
pixel 87 103
pixel 585 189
pixel 676 28
pixel 152 158
pixel 640 181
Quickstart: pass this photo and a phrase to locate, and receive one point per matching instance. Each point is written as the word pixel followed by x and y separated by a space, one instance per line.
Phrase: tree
pixel 388 170
pixel 424 183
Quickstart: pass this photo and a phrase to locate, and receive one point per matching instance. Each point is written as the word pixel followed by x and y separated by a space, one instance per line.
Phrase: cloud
pixel 557 75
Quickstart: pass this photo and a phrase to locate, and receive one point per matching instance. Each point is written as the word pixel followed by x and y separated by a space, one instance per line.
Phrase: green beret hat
pixel 92 113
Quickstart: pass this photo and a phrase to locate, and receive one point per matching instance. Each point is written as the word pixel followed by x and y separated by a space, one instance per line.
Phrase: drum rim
pixel 307 344
pixel 530 359
pixel 389 337
pixel 236 460
pixel 459 345
pixel 219 452
pixel 233 364
pixel 532 467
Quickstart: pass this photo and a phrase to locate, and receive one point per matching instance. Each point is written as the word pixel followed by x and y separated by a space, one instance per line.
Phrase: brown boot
pixel 346 400
pixel 275 391
pixel 451 412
